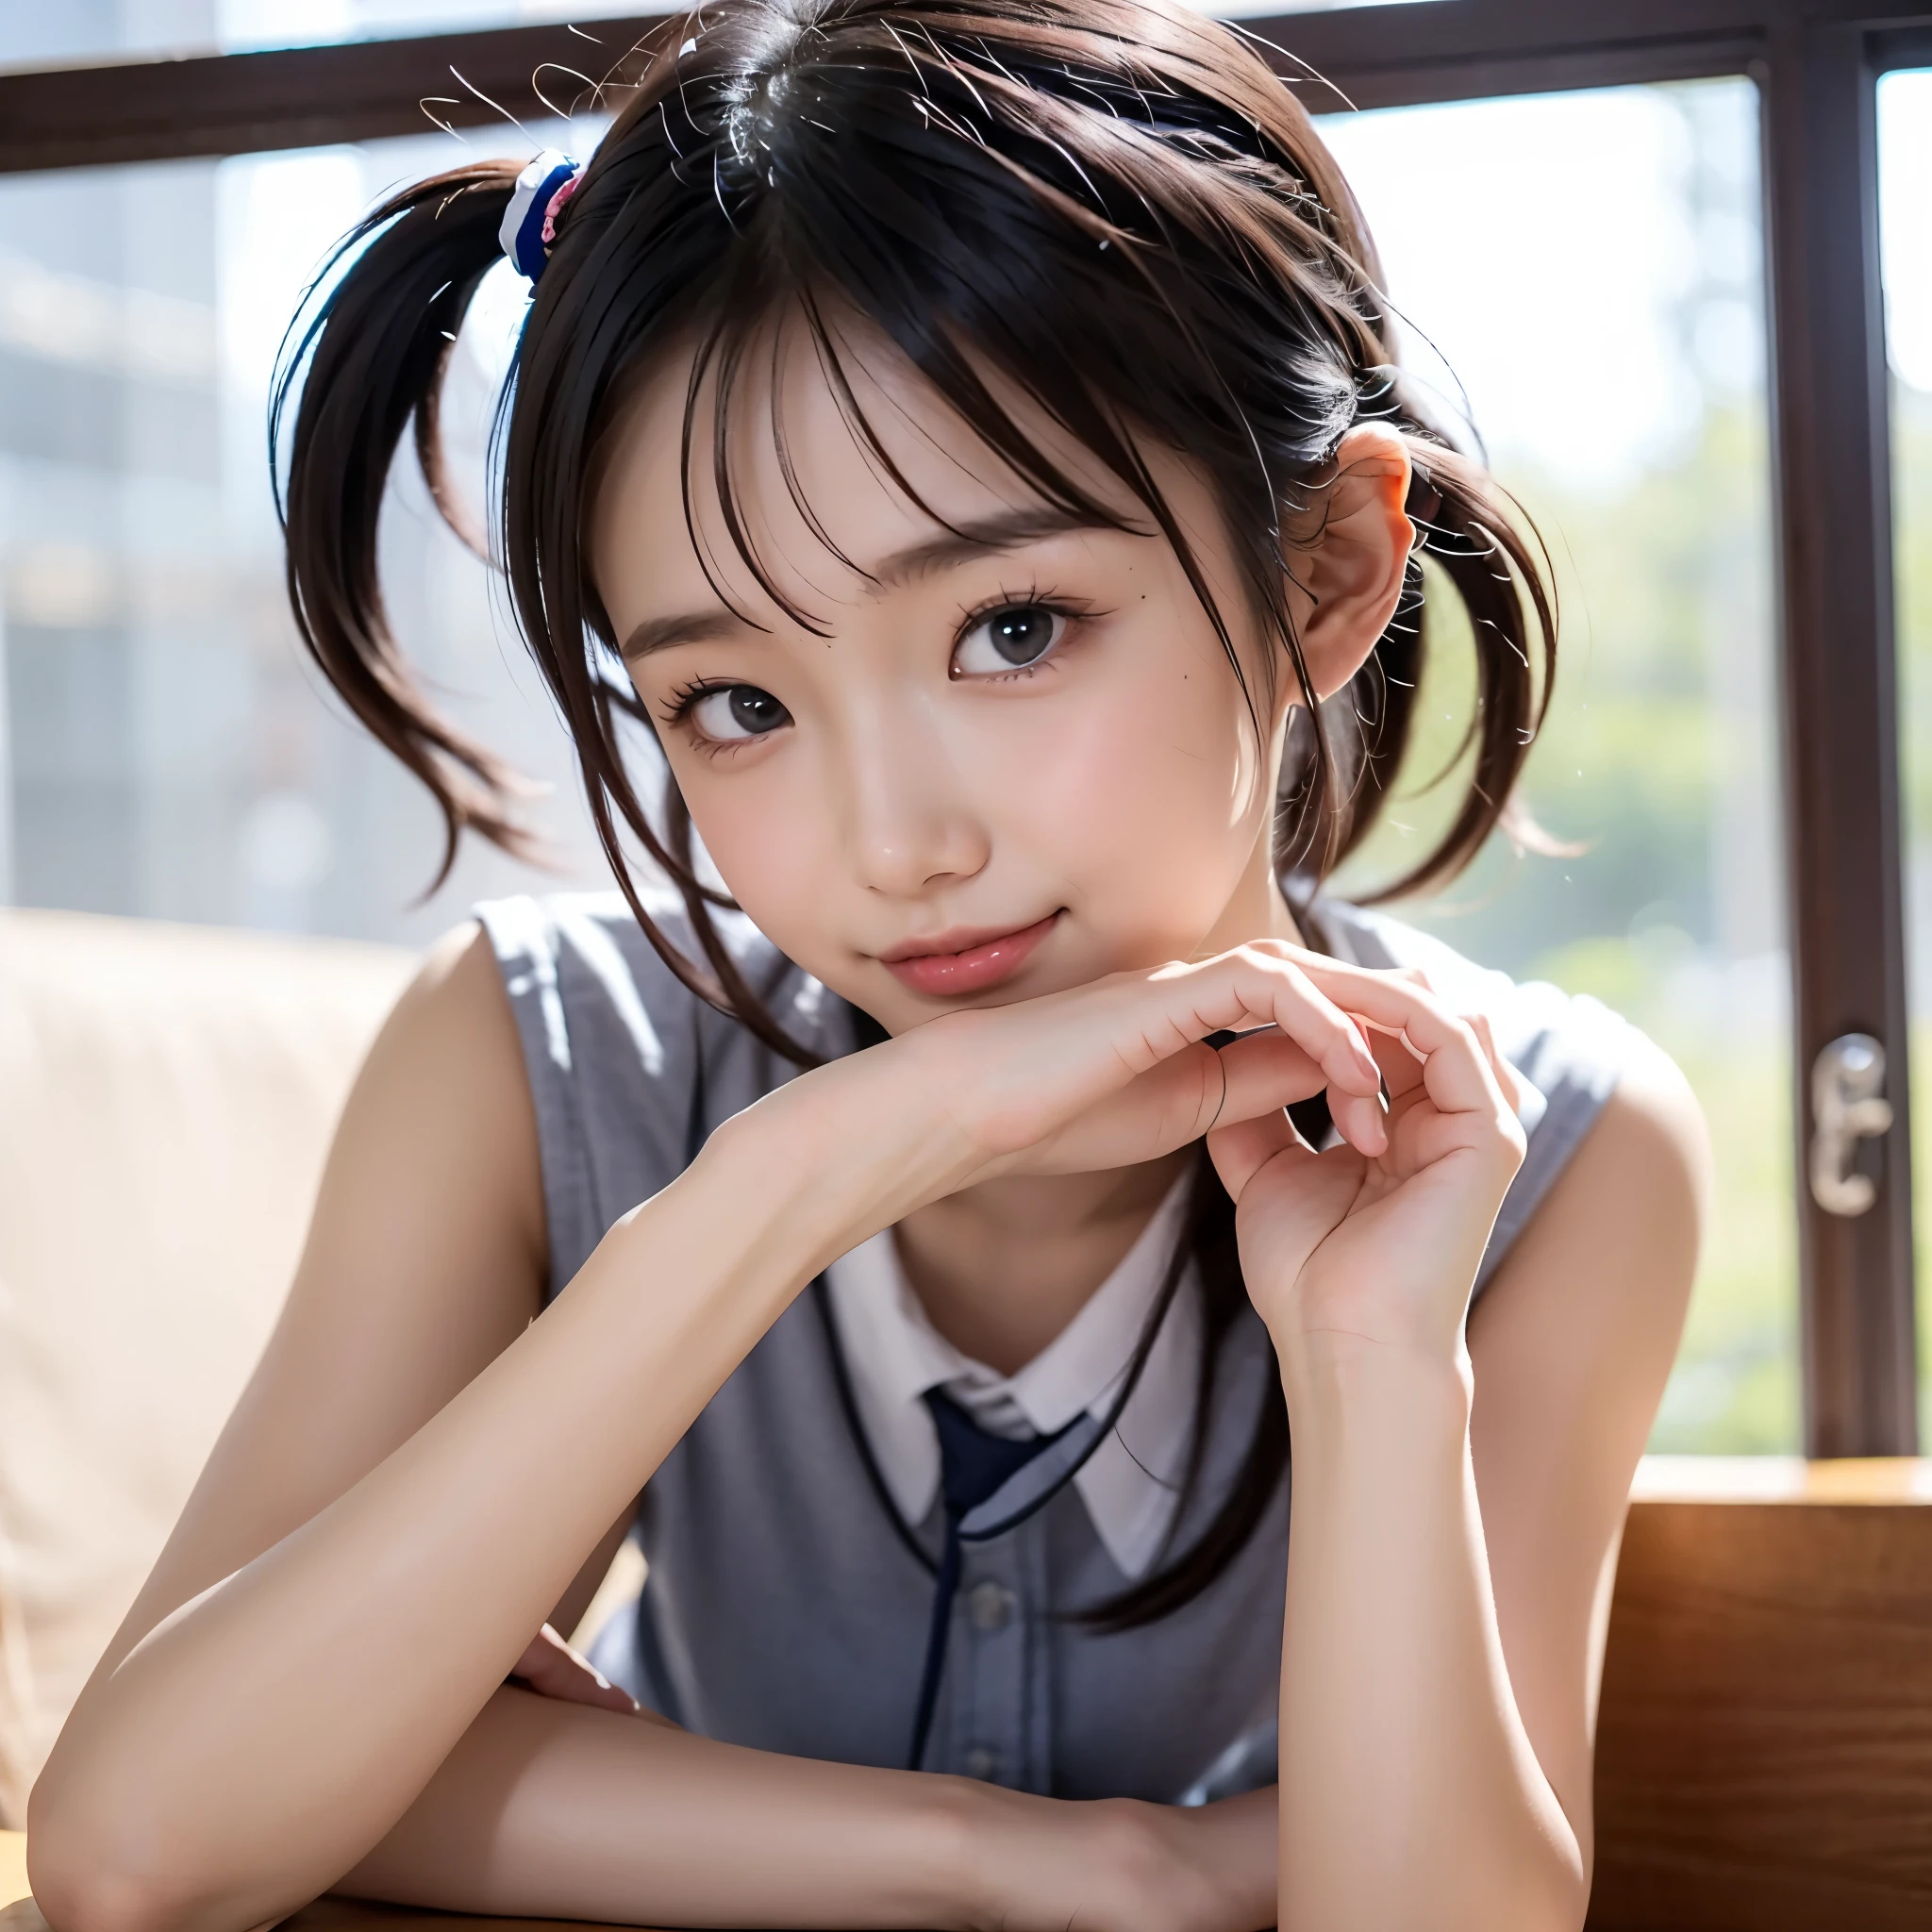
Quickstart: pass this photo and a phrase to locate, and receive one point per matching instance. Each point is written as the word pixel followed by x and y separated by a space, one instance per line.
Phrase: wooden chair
pixel 1764 1746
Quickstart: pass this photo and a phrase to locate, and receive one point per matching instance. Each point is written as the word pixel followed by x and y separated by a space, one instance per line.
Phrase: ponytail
pixel 370 362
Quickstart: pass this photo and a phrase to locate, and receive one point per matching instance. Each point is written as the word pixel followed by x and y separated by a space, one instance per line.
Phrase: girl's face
pixel 1007 754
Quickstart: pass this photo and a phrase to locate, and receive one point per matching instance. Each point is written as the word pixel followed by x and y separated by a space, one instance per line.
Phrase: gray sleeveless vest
pixel 787 1607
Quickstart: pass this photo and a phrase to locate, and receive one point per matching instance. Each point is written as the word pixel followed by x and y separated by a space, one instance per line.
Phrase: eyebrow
pixel 989 537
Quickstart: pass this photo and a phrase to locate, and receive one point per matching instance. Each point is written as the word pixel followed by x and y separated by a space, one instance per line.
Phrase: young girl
pixel 962 435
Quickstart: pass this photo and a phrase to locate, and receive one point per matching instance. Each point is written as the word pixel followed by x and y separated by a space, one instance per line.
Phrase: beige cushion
pixel 167 1095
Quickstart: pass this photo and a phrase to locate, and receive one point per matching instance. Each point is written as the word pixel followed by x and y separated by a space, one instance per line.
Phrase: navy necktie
pixel 975 1468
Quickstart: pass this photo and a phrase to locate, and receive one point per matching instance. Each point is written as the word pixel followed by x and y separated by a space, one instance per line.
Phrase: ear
pixel 1349 551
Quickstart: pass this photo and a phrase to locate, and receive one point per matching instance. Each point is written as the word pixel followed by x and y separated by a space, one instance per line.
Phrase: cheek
pixel 766 843
pixel 1142 791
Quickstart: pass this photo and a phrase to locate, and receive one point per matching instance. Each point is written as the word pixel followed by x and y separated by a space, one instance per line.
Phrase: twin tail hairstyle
pixel 1116 207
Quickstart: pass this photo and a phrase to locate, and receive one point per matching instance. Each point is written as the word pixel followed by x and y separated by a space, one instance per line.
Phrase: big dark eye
pixel 737 711
pixel 1009 638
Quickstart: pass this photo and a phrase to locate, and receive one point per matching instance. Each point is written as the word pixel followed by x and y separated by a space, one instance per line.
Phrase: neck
pixel 1002 1268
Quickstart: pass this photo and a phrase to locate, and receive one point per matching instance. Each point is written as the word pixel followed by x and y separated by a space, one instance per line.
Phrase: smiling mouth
pixel 964 961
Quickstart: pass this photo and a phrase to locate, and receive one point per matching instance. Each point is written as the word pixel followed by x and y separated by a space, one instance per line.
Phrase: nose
pixel 912 821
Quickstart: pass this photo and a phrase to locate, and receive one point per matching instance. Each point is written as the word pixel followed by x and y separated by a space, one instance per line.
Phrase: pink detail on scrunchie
pixel 556 207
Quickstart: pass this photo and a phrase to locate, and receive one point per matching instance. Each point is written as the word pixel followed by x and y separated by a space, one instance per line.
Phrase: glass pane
pixel 171 754
pixel 1589 266
pixel 1905 167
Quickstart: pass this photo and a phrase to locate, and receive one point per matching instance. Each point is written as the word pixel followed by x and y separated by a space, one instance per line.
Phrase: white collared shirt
pixel 1131 1484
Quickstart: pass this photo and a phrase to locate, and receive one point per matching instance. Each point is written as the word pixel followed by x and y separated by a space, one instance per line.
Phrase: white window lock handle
pixel 1847 1107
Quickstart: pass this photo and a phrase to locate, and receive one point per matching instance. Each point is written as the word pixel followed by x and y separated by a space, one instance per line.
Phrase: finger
pixel 1268 1072
pixel 1355 1106
pixel 1515 1087
pixel 1455 1071
pixel 1361 1120
pixel 1247 988
pixel 1406 1022
pixel 552 1669
pixel 1398 1067
pixel 1402 1069
pixel 1265 1071
pixel 1241 1151
pixel 1303 1044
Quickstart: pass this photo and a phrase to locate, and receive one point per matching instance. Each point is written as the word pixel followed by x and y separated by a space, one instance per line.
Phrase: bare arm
pixel 1571 1345
pixel 420 1470
pixel 1451 1557
pixel 559 1810
pixel 472 1460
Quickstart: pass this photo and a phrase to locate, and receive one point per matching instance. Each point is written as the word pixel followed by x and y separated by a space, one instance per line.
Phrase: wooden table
pixel 1764 1756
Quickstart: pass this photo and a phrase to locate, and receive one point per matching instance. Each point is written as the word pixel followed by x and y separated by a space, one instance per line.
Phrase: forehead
pixel 815 503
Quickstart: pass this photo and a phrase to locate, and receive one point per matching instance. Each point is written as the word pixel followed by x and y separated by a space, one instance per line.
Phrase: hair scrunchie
pixel 530 222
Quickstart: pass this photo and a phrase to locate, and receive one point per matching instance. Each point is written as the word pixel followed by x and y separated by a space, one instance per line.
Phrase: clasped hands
pixel 1378 1237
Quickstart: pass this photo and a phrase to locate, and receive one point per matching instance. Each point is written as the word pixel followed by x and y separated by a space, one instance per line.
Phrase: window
pixel 172 753
pixel 1705 856
pixel 1600 320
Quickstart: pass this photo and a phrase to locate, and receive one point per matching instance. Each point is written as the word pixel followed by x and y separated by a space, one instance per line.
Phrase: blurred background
pixel 1580 278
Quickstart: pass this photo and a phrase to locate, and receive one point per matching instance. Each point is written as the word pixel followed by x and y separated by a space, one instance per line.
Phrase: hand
pixel 552 1669
pixel 1382 1246
pixel 1119 1865
pixel 1118 1071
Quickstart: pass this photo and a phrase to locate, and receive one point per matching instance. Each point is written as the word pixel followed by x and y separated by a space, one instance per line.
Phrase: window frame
pixel 1815 64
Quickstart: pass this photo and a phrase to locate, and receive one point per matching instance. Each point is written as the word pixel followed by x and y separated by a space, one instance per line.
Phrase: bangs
pixel 736 390
pixel 1092 225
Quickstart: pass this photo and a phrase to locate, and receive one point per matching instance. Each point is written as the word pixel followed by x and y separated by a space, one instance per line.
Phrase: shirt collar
pixel 1129 1485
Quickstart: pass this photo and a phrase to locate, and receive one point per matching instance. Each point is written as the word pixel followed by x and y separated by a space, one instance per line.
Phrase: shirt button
pixel 989 1604
pixel 981 1763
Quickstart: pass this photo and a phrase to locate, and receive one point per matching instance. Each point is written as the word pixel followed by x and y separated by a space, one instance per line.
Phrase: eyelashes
pixel 728 711
pixel 1004 639
pixel 1009 634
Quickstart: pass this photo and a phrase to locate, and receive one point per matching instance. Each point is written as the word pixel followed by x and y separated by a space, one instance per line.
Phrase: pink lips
pixel 964 961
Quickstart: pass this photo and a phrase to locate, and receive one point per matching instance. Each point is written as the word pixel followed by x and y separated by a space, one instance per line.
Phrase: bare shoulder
pixel 440 1113
pixel 423 1261
pixel 1612 1249
pixel 1651 1133
pixel 454 1013
pixel 449 1054
pixel 433 1189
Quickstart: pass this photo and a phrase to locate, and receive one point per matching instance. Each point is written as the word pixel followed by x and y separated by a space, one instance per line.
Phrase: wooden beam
pixel 1443 50
pixel 1373 56
pixel 226 104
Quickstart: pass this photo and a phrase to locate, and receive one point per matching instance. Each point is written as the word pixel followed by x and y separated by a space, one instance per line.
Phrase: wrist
pixel 841 1152
pixel 990 1842
pixel 1332 1378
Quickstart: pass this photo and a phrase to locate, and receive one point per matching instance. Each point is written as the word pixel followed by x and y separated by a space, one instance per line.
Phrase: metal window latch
pixel 1847 1107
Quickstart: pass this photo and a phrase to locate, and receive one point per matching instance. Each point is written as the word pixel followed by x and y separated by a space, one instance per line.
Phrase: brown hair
pixel 1117 207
